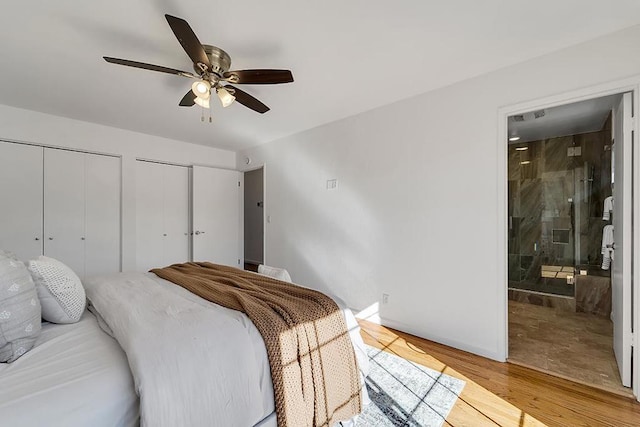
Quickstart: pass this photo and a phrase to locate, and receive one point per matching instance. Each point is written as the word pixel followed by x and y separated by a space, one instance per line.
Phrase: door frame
pixel 262 166
pixel 631 84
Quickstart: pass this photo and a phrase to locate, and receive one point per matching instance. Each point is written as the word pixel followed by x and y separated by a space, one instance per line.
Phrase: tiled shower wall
pixel 539 194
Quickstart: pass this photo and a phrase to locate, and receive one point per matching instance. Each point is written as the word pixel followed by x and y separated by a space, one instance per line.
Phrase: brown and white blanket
pixel 313 365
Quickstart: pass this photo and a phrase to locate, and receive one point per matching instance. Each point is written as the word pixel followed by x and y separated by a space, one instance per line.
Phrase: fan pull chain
pixel 202 114
pixel 210 90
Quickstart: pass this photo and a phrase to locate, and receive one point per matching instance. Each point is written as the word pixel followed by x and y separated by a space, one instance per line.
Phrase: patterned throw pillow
pixel 60 290
pixel 19 309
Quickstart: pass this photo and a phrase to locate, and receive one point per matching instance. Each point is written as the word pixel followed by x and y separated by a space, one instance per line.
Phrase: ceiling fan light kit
pixel 211 65
pixel 202 89
pixel 225 97
pixel 204 103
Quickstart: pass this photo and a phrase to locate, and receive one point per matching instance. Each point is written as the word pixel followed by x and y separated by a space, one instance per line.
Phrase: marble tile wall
pixel 593 295
pixel 563 304
pixel 539 193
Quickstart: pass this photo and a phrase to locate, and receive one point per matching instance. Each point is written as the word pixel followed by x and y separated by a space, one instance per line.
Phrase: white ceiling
pixel 347 57
pixel 570 119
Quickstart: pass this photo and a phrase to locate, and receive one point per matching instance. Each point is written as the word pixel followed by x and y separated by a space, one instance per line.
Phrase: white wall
pixel 415 211
pixel 33 127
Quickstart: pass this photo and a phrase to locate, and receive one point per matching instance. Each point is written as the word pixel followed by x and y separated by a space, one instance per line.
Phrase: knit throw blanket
pixel 313 365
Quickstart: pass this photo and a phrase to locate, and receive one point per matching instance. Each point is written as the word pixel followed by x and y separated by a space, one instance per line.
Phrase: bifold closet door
pixel 149 215
pixel 64 207
pixel 176 215
pixel 21 195
pixel 216 201
pixel 102 214
pixel 162 212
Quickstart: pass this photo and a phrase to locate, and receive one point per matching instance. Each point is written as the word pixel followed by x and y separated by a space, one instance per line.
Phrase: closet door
pixel 102 214
pixel 64 206
pixel 216 215
pixel 21 199
pixel 176 214
pixel 149 215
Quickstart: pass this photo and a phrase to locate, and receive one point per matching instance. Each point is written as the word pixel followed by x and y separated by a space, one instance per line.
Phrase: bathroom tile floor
pixel 575 346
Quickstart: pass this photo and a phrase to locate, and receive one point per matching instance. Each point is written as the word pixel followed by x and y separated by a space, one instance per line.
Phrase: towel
pixel 608 207
pixel 607 246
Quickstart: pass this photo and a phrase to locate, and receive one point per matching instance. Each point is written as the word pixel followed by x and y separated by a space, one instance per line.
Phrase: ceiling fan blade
pixel 188 100
pixel 247 100
pixel 144 66
pixel 189 41
pixel 259 77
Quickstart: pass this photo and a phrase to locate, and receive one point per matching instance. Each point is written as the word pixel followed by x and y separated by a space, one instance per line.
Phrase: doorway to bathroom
pixel 253 219
pixel 569 240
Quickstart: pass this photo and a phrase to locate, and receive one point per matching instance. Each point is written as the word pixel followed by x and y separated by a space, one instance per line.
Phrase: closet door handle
pixel 50 238
pixel 199 232
pixel 82 238
pixel 37 238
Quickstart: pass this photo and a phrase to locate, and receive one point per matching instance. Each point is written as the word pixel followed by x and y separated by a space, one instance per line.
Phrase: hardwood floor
pixel 505 394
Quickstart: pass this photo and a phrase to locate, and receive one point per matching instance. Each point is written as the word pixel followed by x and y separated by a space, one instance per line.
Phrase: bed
pixel 76 375
pixel 79 375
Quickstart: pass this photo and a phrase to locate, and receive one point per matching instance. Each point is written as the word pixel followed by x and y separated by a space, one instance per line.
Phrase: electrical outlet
pixel 385 298
pixel 332 184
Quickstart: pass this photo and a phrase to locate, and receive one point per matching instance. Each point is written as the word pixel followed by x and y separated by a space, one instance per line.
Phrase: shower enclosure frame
pixel 612 88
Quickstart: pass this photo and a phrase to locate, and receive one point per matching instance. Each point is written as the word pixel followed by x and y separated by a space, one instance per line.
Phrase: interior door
pixel 176 215
pixel 149 215
pixel 622 231
pixel 21 195
pixel 64 207
pixel 217 220
pixel 102 214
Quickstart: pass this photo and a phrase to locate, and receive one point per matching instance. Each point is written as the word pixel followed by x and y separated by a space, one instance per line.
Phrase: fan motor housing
pixel 219 59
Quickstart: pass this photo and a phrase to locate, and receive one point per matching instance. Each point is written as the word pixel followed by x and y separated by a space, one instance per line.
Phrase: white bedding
pixel 76 375
pixel 194 362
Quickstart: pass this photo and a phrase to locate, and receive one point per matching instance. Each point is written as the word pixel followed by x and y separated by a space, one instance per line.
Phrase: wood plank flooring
pixel 505 394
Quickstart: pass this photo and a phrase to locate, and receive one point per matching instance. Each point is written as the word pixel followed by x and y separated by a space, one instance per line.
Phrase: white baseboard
pixel 493 355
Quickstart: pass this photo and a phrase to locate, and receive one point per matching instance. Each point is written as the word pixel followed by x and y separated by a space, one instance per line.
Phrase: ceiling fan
pixel 212 75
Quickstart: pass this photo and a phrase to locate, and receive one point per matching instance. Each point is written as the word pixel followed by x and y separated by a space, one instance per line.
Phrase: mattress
pixel 76 375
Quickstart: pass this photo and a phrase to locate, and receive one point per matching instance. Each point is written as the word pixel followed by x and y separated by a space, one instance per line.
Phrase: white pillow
pixel 60 291
pixel 19 309
pixel 276 273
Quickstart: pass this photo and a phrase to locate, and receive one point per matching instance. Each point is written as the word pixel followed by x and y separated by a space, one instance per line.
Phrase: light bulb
pixel 514 138
pixel 201 89
pixel 225 97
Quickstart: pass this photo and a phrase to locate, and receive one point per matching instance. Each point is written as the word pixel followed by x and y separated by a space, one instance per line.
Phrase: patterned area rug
pixel 404 393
